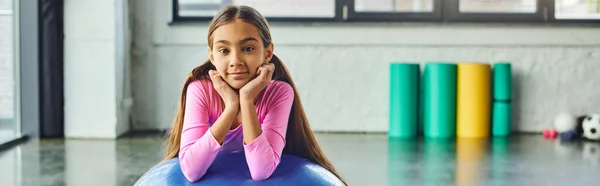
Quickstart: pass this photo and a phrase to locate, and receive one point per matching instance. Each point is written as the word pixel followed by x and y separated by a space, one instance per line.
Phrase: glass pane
pixel 577 9
pixel 393 5
pixel 498 6
pixel 7 80
pixel 6 5
pixel 269 8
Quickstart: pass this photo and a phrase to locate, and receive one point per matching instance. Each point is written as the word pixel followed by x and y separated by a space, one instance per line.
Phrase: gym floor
pixel 363 159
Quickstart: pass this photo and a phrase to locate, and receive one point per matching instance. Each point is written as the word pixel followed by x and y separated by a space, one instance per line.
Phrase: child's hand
pixel 229 96
pixel 256 85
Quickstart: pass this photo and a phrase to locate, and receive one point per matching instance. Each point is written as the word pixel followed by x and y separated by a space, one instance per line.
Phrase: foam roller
pixel 501 119
pixel 502 81
pixel 439 100
pixel 473 100
pixel 501 111
pixel 404 88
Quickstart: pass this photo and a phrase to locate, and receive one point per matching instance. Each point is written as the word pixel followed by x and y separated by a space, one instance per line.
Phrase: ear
pixel 210 55
pixel 269 52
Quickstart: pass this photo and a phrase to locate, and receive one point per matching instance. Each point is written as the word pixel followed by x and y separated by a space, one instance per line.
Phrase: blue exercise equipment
pixel 232 169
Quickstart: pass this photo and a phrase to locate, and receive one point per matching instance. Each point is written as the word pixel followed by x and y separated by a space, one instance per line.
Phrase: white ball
pixel 565 122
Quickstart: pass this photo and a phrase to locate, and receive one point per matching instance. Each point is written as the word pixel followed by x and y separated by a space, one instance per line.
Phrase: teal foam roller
pixel 404 81
pixel 502 81
pixel 439 118
pixel 501 119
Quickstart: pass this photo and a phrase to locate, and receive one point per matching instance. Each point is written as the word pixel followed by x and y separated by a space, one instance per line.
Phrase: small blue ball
pixel 568 135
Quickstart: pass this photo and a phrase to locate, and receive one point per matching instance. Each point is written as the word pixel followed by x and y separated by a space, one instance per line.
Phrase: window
pixel 577 9
pixel 402 10
pixel 393 6
pixel 271 9
pixel 8 99
pixel 498 6
pixel 394 10
pixel 495 10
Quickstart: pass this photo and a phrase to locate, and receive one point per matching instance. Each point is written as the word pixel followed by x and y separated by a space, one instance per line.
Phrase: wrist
pixel 232 103
pixel 246 98
pixel 232 108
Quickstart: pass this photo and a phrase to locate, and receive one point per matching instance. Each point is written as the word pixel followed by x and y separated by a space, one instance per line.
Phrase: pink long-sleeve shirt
pixel 199 147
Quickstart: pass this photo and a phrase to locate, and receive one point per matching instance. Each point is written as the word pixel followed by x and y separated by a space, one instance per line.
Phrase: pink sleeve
pixel 263 154
pixel 198 145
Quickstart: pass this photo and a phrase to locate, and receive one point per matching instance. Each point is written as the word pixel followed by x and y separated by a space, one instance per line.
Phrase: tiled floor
pixel 362 159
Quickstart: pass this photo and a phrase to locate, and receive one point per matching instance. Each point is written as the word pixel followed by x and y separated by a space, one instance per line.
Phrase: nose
pixel 236 60
pixel 235 63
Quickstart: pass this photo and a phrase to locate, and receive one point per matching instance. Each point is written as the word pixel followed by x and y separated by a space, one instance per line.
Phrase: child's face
pixel 237 52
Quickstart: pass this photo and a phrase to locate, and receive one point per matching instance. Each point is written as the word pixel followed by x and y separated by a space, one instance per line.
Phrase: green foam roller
pixel 501 118
pixel 439 100
pixel 404 81
pixel 502 81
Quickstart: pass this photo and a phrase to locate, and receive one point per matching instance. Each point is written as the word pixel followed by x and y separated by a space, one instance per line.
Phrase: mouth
pixel 237 75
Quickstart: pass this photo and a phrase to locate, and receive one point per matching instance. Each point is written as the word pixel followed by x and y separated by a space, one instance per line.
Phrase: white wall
pixel 341 70
pixel 96 54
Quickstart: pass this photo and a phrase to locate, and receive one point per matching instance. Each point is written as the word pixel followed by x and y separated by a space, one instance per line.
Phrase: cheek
pixel 221 68
pixel 254 69
pixel 255 64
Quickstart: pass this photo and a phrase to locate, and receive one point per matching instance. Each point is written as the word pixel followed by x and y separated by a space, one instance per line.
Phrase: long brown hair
pixel 300 140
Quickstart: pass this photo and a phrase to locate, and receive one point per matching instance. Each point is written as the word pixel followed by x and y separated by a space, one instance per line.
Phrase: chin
pixel 237 84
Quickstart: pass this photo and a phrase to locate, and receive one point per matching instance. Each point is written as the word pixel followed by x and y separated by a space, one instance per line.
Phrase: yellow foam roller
pixel 473 102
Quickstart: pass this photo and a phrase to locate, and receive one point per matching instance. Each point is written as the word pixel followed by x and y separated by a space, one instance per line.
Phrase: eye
pixel 223 51
pixel 248 49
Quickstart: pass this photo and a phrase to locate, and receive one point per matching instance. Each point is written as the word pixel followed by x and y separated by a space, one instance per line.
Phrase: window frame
pixel 337 15
pixel 452 14
pixel 545 13
pixel 434 16
pixel 551 11
pixel 444 11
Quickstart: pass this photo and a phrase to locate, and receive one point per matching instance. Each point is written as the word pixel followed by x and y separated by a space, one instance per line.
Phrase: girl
pixel 241 99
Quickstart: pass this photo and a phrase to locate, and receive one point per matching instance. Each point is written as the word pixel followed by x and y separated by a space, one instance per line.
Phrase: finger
pixel 210 74
pixel 259 70
pixel 263 71
pixel 215 76
pixel 267 72
pixel 271 70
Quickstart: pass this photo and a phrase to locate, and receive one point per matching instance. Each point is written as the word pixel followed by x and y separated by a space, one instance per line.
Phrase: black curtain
pixel 51 68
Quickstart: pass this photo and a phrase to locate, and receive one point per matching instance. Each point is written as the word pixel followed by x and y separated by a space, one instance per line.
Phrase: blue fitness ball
pixel 231 169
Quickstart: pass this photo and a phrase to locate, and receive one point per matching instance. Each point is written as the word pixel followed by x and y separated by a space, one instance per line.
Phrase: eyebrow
pixel 245 40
